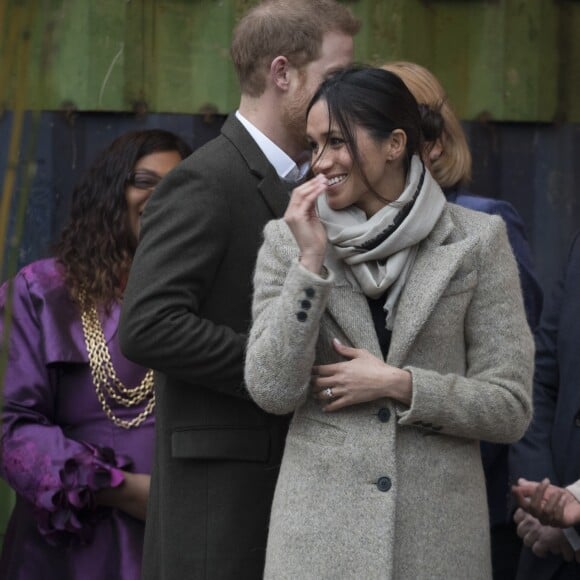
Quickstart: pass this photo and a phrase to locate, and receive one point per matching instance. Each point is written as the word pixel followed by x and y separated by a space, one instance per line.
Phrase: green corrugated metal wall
pixel 501 59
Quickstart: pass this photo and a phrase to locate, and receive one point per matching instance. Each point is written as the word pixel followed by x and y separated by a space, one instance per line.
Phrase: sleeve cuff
pixel 574 489
pixel 67 515
pixel 573 538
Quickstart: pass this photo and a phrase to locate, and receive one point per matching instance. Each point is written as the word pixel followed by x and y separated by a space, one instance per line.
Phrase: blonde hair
pixel 453 167
pixel 291 28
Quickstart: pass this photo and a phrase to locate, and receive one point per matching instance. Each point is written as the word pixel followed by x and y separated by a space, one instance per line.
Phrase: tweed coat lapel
pixel 438 259
pixel 274 191
pixel 348 308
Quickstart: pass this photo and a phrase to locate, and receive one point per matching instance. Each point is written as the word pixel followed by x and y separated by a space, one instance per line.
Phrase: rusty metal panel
pixel 54 151
pixel 189 68
pixel 499 59
pixel 532 165
pixel 535 167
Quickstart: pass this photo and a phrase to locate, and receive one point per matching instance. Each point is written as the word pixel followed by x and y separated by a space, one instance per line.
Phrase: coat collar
pixel 438 259
pixel 273 190
pixel 70 346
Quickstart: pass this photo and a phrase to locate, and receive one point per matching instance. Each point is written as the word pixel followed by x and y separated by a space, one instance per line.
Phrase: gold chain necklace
pixel 105 379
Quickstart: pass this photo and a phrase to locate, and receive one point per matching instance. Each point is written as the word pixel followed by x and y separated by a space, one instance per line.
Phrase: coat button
pixel 384 415
pixel 309 292
pixel 306 304
pixel 302 316
pixel 577 420
pixel 384 483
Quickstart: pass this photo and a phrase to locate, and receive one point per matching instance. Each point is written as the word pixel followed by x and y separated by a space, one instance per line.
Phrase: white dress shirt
pixel 284 165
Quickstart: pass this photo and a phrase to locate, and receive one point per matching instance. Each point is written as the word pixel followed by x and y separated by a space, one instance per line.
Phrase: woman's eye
pixel 145 181
pixel 336 142
pixel 313 146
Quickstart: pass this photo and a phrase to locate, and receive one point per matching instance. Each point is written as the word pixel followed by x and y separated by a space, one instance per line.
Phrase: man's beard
pixel 294 120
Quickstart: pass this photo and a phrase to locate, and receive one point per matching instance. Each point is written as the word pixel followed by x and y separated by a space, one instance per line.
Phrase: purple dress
pixel 58 445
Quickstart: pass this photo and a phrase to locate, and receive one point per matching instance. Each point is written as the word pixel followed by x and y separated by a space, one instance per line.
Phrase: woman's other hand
pixel 131 496
pixel 361 379
pixel 305 225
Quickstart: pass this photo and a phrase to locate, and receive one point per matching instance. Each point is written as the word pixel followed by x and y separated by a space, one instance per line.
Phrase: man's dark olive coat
pixel 186 314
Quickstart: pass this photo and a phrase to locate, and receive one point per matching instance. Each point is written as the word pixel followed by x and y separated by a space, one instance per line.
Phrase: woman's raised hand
pixel 305 225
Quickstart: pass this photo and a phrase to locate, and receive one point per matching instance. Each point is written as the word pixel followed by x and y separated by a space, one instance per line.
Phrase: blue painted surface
pixel 536 167
pixel 532 165
pixel 64 148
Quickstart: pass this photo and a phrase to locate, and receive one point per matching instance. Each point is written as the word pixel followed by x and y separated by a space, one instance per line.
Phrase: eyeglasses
pixel 143 179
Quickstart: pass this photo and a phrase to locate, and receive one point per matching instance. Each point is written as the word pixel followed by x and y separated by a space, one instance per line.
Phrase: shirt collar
pixel 284 165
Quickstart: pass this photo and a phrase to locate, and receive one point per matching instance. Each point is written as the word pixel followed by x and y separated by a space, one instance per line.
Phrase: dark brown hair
pixel 96 247
pixel 375 100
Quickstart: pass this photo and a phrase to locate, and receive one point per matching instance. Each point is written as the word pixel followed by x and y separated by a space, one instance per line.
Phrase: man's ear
pixel 279 72
pixel 395 145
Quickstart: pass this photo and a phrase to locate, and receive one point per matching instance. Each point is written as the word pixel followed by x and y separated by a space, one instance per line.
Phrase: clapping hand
pixel 550 504
pixel 542 540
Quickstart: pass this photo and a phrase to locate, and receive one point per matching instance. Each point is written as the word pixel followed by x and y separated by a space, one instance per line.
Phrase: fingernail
pixel 336 341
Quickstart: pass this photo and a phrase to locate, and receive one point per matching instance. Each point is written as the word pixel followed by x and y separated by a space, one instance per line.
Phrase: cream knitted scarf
pixel 380 251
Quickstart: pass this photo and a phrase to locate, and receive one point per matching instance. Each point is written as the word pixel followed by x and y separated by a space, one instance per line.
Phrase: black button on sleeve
pixel 384 483
pixel 384 415
pixel 306 304
pixel 302 316
pixel 309 292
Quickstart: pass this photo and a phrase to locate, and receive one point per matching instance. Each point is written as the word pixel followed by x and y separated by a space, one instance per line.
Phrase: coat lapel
pixel 351 313
pixel 348 309
pixel 438 259
pixel 274 191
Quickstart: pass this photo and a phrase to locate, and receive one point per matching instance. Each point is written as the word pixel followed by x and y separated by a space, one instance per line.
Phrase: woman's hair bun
pixel 432 122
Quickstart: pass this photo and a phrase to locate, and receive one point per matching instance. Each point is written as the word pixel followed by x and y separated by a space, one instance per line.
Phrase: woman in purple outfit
pixel 77 432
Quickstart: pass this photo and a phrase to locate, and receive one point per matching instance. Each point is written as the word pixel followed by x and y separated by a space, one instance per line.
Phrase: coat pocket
pixel 316 431
pixel 229 443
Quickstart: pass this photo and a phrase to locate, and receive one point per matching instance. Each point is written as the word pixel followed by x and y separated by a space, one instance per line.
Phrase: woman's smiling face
pixel 332 157
pixel 148 172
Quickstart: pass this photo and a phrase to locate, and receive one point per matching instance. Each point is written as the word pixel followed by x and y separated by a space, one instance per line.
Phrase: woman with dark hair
pixel 392 325
pixel 78 427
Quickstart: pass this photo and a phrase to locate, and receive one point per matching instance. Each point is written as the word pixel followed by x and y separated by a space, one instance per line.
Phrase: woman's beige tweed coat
pixel 380 490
